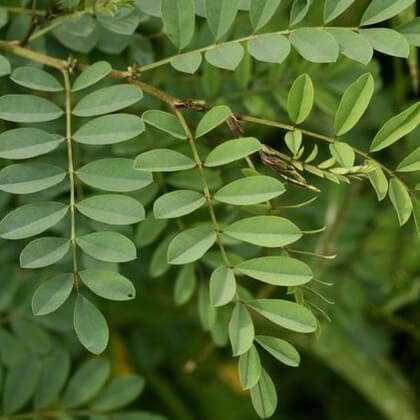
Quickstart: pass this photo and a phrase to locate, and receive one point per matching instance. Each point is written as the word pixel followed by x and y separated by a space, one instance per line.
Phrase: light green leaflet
pixel 300 99
pixel 91 75
pixel 28 109
pixel 241 330
pixel 396 128
pixel 353 104
pixel 109 129
pixel 24 143
pixel 264 396
pixel 249 367
pixel 232 150
pixel 31 219
pixel 222 286
pixel 37 79
pixel 177 203
pixel 293 140
pixel 261 11
pixel 220 15
pixel 411 30
pixel 334 8
pixel 123 21
pixel 114 174
pixel 90 326
pixel 206 311
pixel 269 48
pixel 5 67
pixel 277 270
pixel 20 383
pixel 400 199
pixel 179 20
pixel 50 386
pixel 108 284
pixel 188 62
pixel 108 246
pixel 225 56
pixel 250 190
pixel 212 119
pixel 86 382
pixel 315 45
pixel 299 10
pixel 287 314
pixel 164 121
pixel 191 244
pixel 343 153
pixel 120 392
pixel 380 10
pixel 27 178
pixel 280 349
pixel 106 100
pixel 353 45
pixel 185 284
pixel 265 231
pixel 52 294
pixel 411 163
pixel 387 41
pixel 378 179
pixel 163 160
pixel 43 252
pixel 113 209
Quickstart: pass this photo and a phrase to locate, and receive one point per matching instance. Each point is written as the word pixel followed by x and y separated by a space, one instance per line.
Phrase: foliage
pixel 108 198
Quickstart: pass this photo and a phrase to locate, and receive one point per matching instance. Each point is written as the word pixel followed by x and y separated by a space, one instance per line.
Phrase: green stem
pixel 45 30
pixel 70 164
pixel 204 185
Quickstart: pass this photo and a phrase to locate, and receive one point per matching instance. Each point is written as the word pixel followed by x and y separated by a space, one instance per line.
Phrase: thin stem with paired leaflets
pixel 204 184
pixel 72 205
